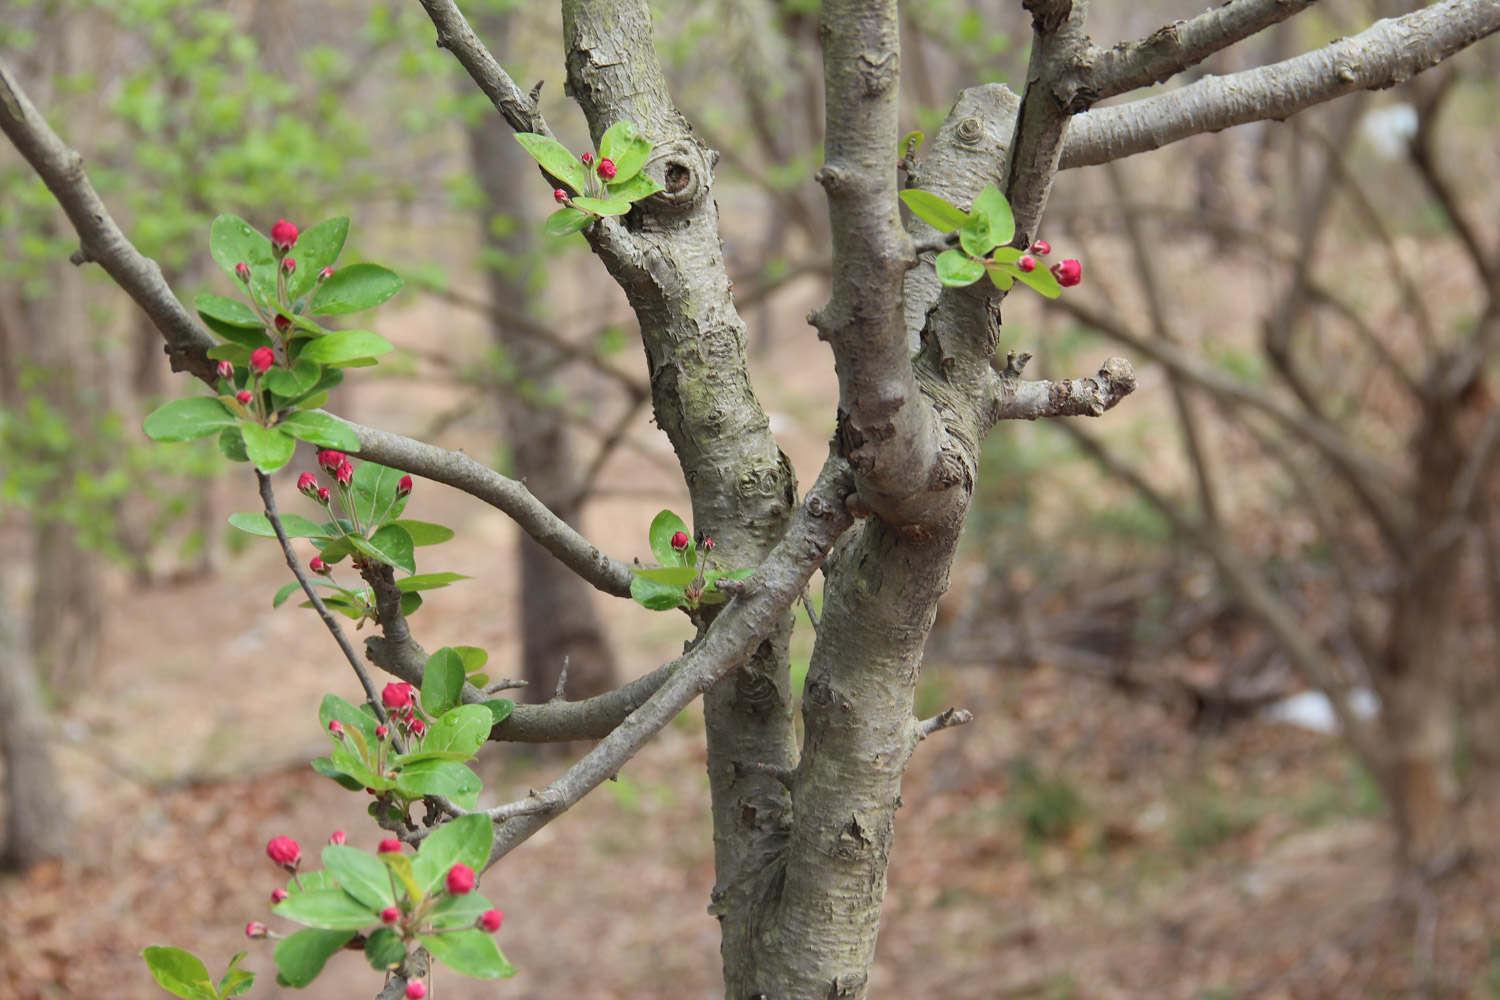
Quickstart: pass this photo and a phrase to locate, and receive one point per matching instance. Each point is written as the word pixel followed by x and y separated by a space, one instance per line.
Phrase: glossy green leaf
pixel 612 206
pixel 910 143
pixel 465 840
pixel 235 979
pixel 289 383
pixel 179 972
pixel 637 187
pixel 360 875
pixel 442 683
pixel 374 488
pixel 672 576
pixel 427 581
pixel 333 707
pixel 391 545
pixel 232 241
pixel 232 444
pixel 992 206
pixel 1006 255
pixel 461 730
pixel 344 346
pixel 455 912
pixel 301 956
pixel 623 144
pixel 267 447
pixel 317 247
pixel 975 236
pixel 235 354
pixel 230 311
pixel 937 212
pixel 326 768
pixel 425 532
pixel 655 596
pixel 400 866
pixel 187 419
pixel 555 158
pixel 1041 280
pixel 956 269
pixel 320 429
pixel 500 709
pixel 567 220
pixel 663 526
pixel 355 767
pixel 243 336
pixel 353 288
pixel 440 777
pixel 1002 278
pixel 384 949
pixel 330 909
pixel 474 657
pixel 472 953
pixel 295 525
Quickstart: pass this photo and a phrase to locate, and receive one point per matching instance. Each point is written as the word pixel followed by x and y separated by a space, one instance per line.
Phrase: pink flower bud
pixel 460 880
pixel 330 460
pixel 283 236
pixel 490 920
pixel 226 370
pixel 381 732
pixel 324 496
pixel 288 265
pixel 418 728
pixel 1041 248
pixel 338 837
pixel 397 694
pixel 284 851
pixel 390 915
pixel 389 845
pixel 1027 263
pixel 282 323
pixel 244 397
pixel 307 484
pixel 587 158
pixel 415 990
pixel 256 930
pixel 560 195
pixel 261 360
pixel 325 274
pixel 403 486
pixel 345 475
pixel 334 725
pixel 277 895
pixel 708 543
pixel 1069 272
pixel 242 271
pixel 607 169
pixel 680 541
pixel 318 566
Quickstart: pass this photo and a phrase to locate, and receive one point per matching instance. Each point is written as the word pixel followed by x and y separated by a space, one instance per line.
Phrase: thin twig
pixel 562 680
pixel 946 719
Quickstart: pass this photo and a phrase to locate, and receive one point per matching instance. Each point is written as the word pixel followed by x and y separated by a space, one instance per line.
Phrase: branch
pixel 101 240
pixel 454 468
pixel 729 642
pixel 946 719
pixel 1082 397
pixel 455 35
pixel 1389 52
pixel 1171 49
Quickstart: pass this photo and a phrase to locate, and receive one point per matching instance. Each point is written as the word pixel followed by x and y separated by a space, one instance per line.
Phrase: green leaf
pixel 243 336
pixel 440 777
pixel 673 576
pixel 333 707
pixel 357 767
pixel 655 596
pixel 427 581
pixel 472 953
pixel 992 206
pixel 267 447
pixel 1002 277
pixel 474 657
pixel 301 956
pixel 638 187
pixel 317 248
pixel 289 383
pixel 390 545
pixel 360 875
pixel 975 237
pixel 353 288
pixel 1006 255
pixel 500 709
pixel 330 909
pixel 344 346
pixel 567 220
pixel 233 353
pixel 283 592
pixel 384 949
pixel 295 525
pixel 400 866
pixel 663 526
pixel 236 980
pixel 1041 280
pixel 614 206
pixel 180 972
pixel 229 311
pixel 623 144
pixel 187 419
pixel 442 683
pixel 320 429
pixel 957 269
pixel 425 532
pixel 465 840
pixel 337 549
pixel 232 240
pixel 232 444
pixel 453 912
pixel 460 730
pixel 374 490
pixel 555 158
pixel 937 212
pixel 325 767
pixel 910 143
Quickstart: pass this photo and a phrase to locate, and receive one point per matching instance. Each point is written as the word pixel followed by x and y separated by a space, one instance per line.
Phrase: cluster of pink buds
pixel 338 465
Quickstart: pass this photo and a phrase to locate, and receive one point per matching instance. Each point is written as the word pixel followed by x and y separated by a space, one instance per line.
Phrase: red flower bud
pixel 708 543
pixel 403 486
pixel 680 541
pixel 389 845
pixel 490 920
pixel 261 360
pixel 1069 272
pixel 607 169
pixel 288 265
pixel 324 496
pixel 397 694
pixel 325 274
pixel 560 195
pixel 256 930
pixel 334 725
pixel 284 851
pixel 1027 263
pixel 418 728
pixel 1041 248
pixel 277 895
pixel 318 566
pixel 338 837
pixel 307 484
pixel 330 460
pixel 226 370
pixel 390 915
pixel 415 990
pixel 460 880
pixel 242 271
pixel 244 397
pixel 345 475
pixel 282 323
pixel 283 236
pixel 587 158
pixel 381 732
